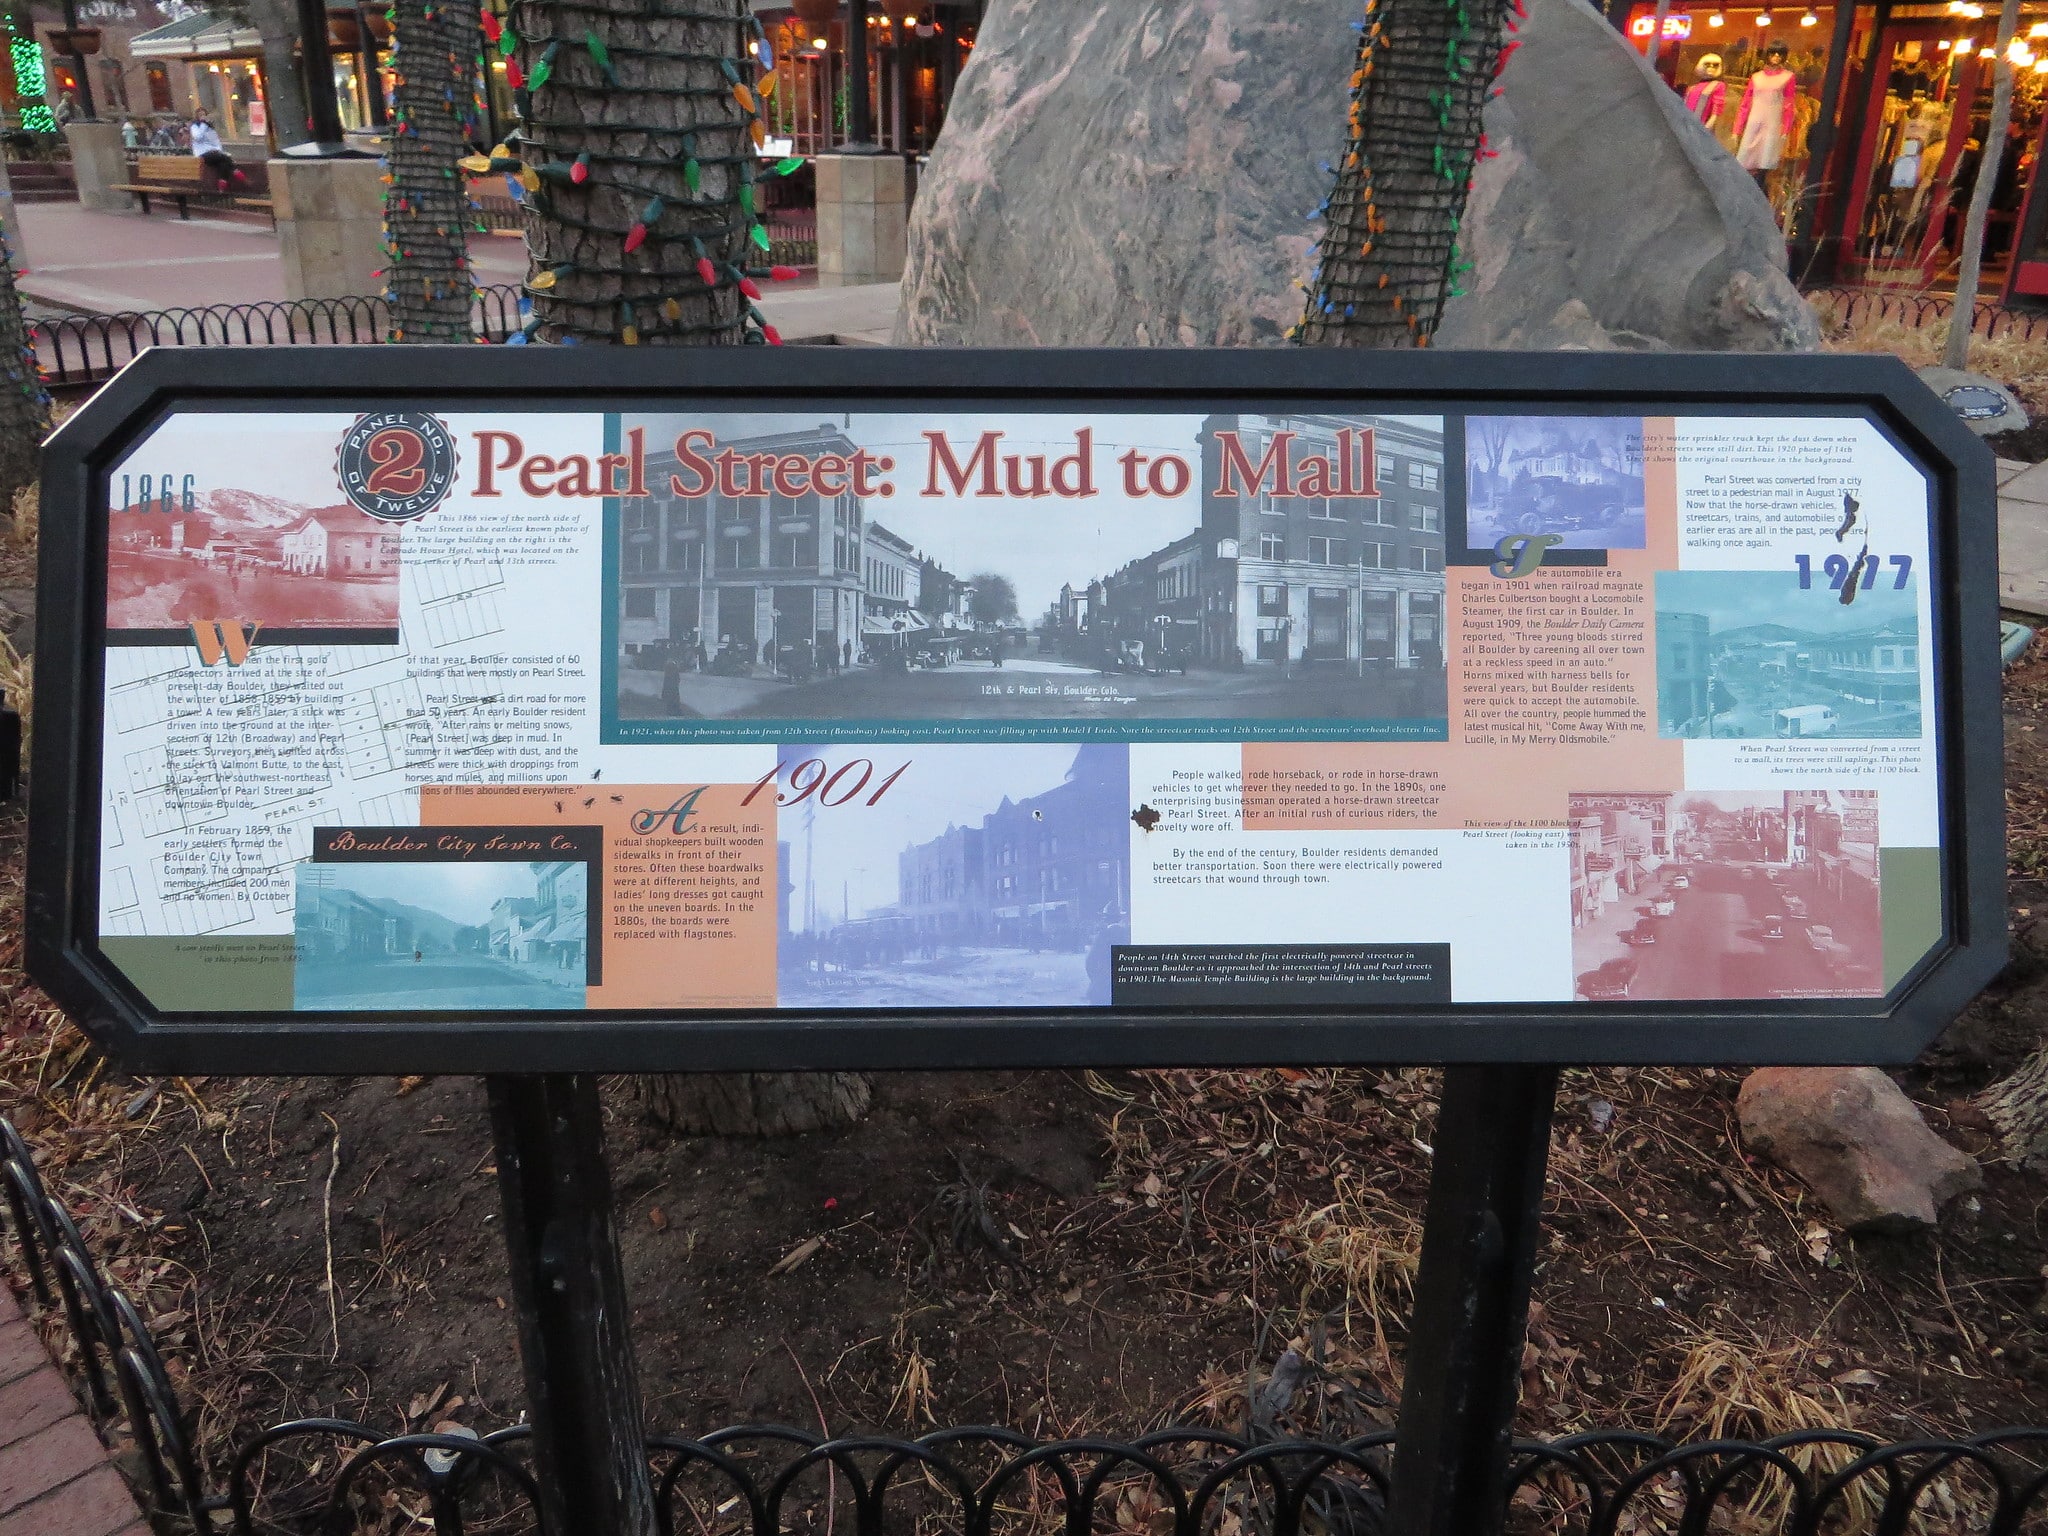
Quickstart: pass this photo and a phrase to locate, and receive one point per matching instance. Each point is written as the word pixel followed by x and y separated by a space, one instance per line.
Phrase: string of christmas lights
pixel 636 152
pixel 25 412
pixel 428 212
pixel 1388 260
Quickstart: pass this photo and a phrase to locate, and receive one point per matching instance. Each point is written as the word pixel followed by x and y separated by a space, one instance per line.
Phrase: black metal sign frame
pixel 62 953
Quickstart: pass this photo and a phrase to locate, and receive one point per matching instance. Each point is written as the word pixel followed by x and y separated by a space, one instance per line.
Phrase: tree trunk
pixel 752 1103
pixel 2018 1105
pixel 24 404
pixel 283 93
pixel 1389 253
pixel 1962 320
pixel 428 284
pixel 637 143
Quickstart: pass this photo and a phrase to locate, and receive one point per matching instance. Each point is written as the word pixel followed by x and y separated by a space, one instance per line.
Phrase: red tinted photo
pixel 1689 894
pixel 242 556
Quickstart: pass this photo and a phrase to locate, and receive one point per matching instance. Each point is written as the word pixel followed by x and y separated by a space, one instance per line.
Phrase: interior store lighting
pixel 1763 17
pixel 1811 18
pixel 2038 29
pixel 1963 46
pixel 1714 19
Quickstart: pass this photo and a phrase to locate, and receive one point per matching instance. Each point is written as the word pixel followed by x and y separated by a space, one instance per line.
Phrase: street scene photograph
pixel 828 768
pixel 440 934
pixel 1754 656
pixel 1578 477
pixel 999 872
pixel 971 605
pixel 1696 895
pixel 256 558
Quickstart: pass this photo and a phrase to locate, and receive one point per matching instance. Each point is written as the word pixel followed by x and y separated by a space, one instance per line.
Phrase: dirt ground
pixel 1062 1253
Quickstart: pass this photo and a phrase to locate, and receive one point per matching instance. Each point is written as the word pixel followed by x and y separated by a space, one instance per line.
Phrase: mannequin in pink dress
pixel 1763 122
pixel 1708 93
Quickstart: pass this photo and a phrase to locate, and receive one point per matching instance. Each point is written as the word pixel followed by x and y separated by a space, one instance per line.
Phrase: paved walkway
pixel 101 263
pixel 55 1478
pixel 2023 537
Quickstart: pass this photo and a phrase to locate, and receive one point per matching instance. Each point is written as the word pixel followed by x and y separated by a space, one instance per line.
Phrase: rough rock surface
pixel 1857 1142
pixel 1138 174
pixel 1985 405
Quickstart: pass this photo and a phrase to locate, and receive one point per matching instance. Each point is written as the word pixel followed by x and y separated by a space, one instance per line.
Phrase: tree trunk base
pixel 2018 1105
pixel 752 1103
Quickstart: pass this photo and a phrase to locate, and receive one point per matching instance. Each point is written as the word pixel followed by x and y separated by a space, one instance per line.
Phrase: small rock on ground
pixel 1852 1137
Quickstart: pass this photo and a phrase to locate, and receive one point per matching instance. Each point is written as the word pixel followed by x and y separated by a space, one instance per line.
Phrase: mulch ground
pixel 1064 1253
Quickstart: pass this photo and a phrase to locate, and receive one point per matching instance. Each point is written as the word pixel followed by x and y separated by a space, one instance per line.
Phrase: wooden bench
pixel 181 178
pixel 178 177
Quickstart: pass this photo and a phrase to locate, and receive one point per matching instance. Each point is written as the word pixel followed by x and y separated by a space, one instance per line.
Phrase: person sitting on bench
pixel 206 145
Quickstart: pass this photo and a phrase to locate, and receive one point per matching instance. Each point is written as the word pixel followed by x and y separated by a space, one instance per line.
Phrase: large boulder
pixel 1138 174
pixel 1857 1142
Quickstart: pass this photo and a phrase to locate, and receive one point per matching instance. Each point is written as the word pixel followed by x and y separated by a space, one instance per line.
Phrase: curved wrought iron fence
pixel 1845 308
pixel 327 1476
pixel 77 350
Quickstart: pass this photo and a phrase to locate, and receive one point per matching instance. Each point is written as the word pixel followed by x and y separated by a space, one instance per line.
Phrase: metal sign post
pixel 556 713
pixel 569 1295
pixel 1464 1371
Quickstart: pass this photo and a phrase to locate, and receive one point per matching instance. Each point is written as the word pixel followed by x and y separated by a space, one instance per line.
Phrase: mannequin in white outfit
pixel 1763 123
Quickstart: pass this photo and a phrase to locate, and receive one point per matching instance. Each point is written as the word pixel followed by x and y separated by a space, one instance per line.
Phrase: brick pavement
pixel 55 1476
pixel 83 260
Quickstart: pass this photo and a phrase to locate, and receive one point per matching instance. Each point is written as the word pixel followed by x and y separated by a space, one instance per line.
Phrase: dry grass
pixel 2016 362
pixel 1365 1246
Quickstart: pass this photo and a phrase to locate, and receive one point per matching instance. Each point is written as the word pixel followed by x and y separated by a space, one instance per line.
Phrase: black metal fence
pixel 1847 307
pixel 333 1476
pixel 74 351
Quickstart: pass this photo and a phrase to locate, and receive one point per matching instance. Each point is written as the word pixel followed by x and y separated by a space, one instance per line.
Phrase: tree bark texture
pixel 1956 353
pixel 2018 1105
pixel 277 24
pixel 637 144
pixel 24 403
pixel 428 282
pixel 1389 253
pixel 752 1103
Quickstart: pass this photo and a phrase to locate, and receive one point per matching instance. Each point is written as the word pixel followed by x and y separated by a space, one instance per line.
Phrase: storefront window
pixel 1752 76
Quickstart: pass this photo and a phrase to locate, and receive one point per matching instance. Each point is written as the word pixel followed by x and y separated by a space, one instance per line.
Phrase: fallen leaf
pixel 1820 1243
pixel 1150 1185
pixel 1859 1379
pixel 797 1255
pixel 656 1220
pixel 407 1084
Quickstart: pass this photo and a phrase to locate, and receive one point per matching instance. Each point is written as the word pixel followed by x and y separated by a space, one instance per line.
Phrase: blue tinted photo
pixel 1579 477
pixel 1003 873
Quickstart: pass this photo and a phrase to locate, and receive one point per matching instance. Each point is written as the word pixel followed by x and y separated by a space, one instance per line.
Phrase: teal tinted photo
pixel 425 935
pixel 1756 656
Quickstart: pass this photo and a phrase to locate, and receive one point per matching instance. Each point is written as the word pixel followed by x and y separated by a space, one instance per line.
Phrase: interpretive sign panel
pixel 633 710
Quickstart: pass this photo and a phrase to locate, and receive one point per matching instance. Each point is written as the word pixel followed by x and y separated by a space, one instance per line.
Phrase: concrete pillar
pixel 98 165
pixel 863 211
pixel 330 226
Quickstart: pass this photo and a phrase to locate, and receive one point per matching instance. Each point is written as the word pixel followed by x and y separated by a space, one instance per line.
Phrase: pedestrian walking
pixel 671 685
pixel 206 147
pixel 846 652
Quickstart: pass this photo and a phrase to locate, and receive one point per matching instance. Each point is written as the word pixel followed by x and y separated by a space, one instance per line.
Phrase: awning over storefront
pixel 198 36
